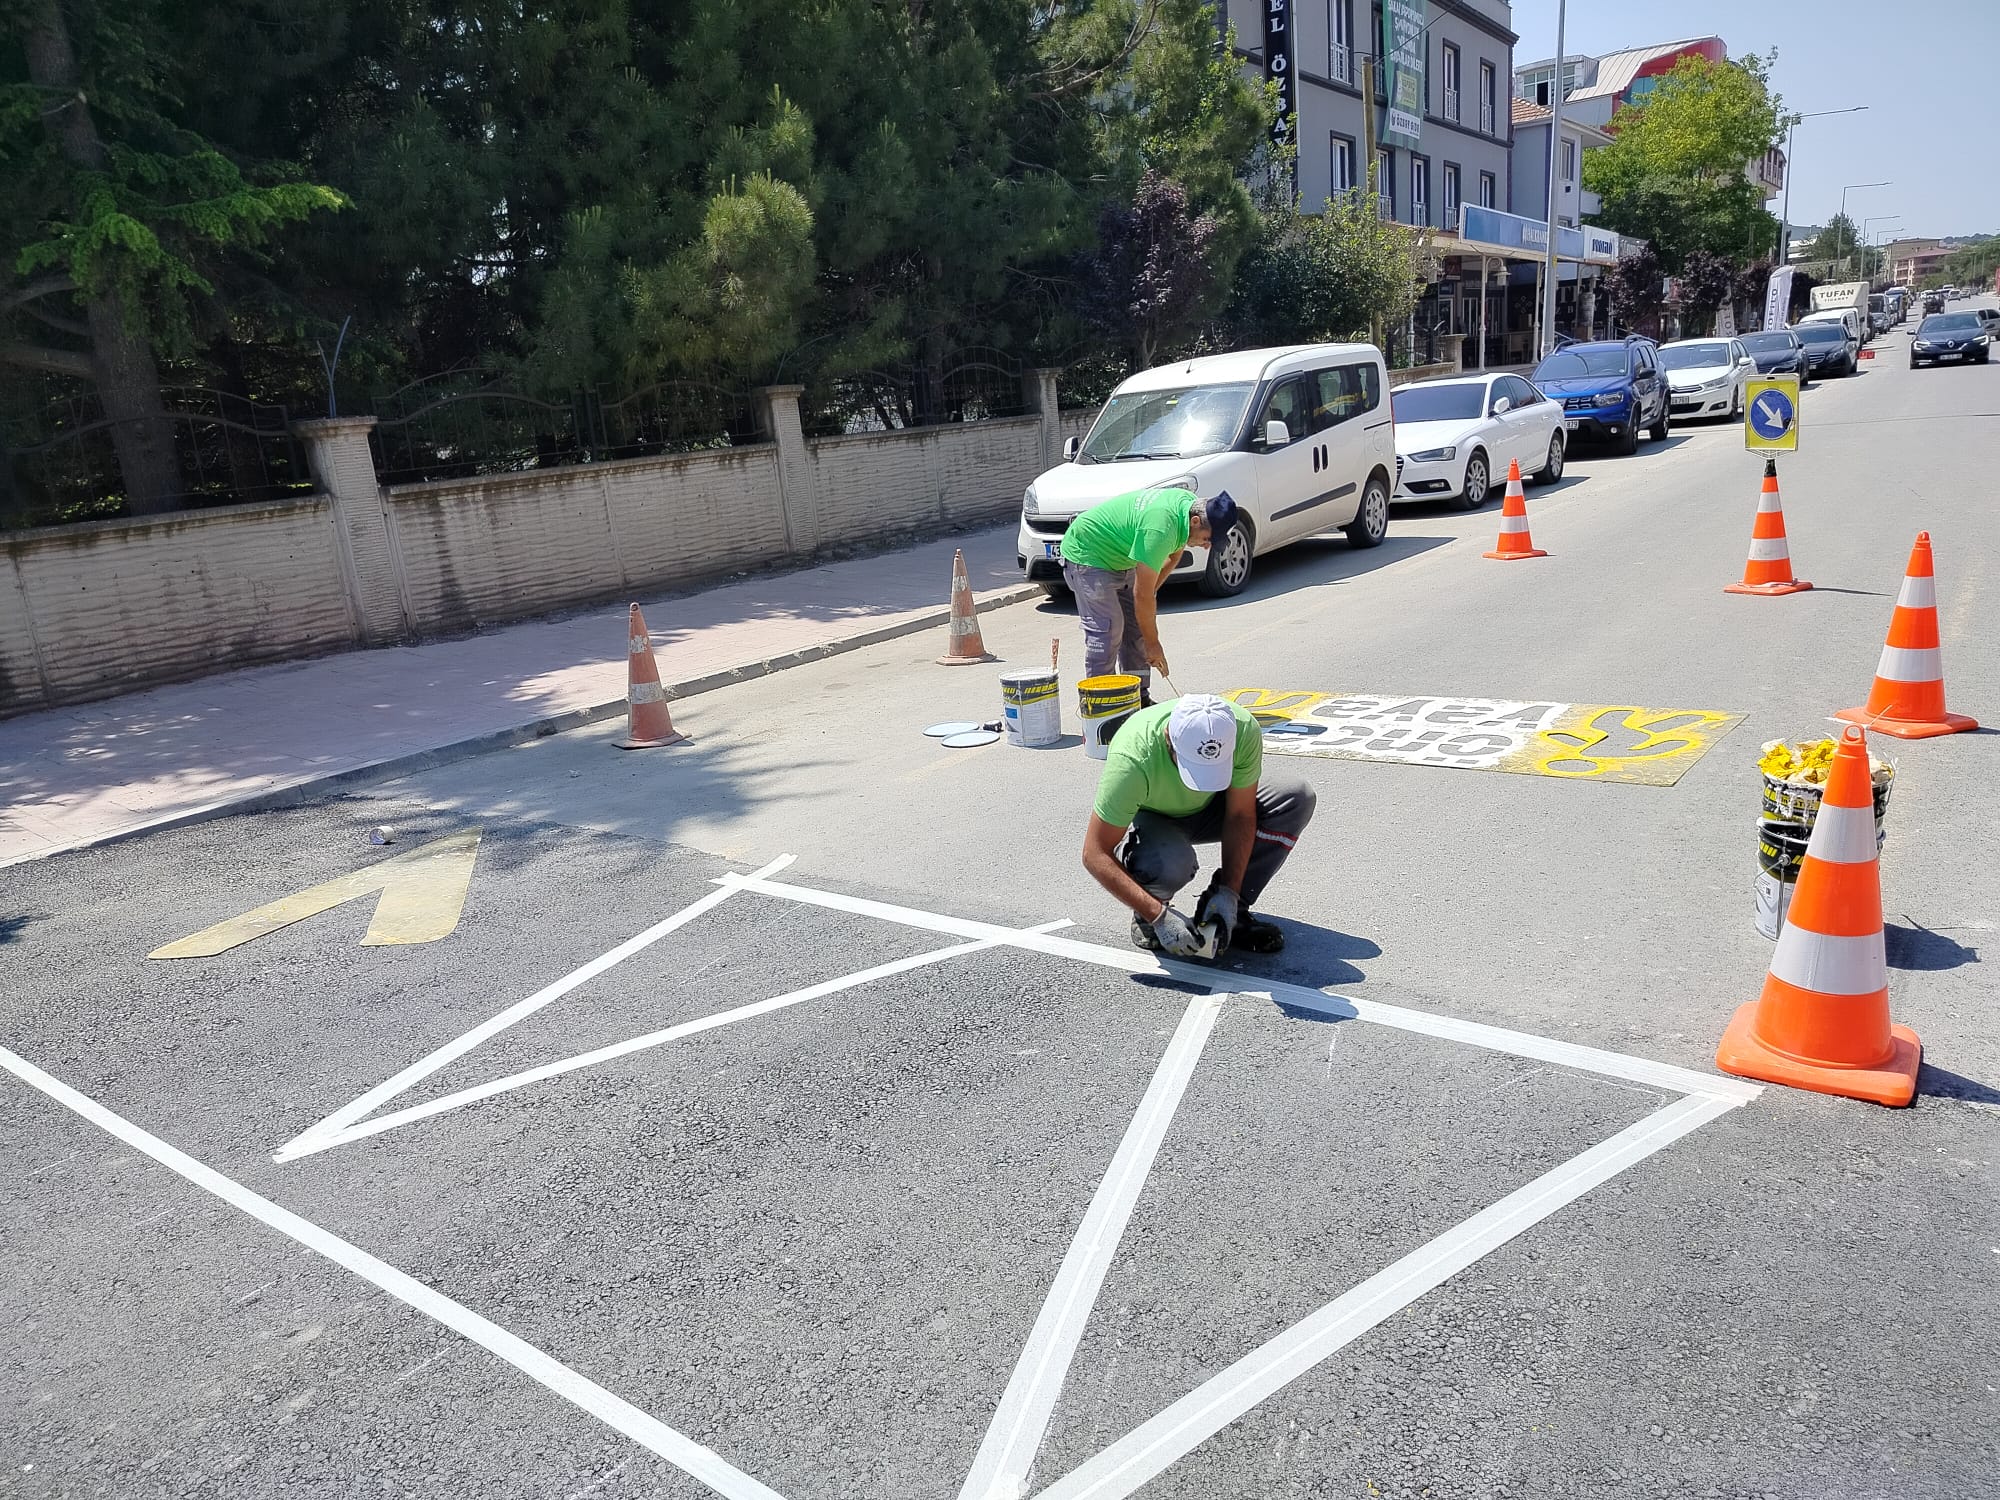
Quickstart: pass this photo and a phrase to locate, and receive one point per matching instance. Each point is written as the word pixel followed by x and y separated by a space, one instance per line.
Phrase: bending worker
pixel 1115 556
pixel 1185 773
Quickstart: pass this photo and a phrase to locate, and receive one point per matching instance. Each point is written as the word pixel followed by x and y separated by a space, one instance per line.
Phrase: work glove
pixel 1220 905
pixel 1174 935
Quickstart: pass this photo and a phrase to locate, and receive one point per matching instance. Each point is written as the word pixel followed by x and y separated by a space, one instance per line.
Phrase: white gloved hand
pixel 1175 935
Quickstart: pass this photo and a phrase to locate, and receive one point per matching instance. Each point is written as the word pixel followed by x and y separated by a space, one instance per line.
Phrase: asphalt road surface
pixel 848 1182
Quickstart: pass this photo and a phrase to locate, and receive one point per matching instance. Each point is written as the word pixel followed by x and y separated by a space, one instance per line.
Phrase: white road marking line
pixel 1155 1445
pixel 451 1051
pixel 1339 1007
pixel 1006 1455
pixel 446 1102
pixel 676 1448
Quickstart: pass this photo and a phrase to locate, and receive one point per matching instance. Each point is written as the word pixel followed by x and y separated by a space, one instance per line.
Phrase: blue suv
pixel 1607 390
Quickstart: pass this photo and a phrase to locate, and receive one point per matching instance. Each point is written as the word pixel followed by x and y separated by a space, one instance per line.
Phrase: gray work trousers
pixel 1159 850
pixel 1112 640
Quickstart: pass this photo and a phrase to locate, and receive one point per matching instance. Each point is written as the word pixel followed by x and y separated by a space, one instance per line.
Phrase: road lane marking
pixel 621 1416
pixel 1155 1445
pixel 421 1069
pixel 1007 1453
pixel 422 890
pixel 376 1125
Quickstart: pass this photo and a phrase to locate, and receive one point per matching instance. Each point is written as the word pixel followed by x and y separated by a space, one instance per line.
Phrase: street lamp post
pixel 1785 246
pixel 1549 265
pixel 1871 219
pixel 1853 187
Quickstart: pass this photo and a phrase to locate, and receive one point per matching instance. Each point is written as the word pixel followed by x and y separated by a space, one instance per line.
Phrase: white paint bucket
pixel 1031 708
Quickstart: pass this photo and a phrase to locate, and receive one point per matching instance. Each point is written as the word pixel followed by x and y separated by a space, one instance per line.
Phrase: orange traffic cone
pixel 966 646
pixel 1908 697
pixel 1514 543
pixel 1769 570
pixel 647 722
pixel 1823 1020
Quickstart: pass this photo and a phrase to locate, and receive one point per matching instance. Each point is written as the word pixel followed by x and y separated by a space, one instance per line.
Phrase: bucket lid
pixel 973 736
pixel 939 731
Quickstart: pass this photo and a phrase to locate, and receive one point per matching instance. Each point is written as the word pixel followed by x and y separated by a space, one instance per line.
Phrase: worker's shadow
pixel 1314 957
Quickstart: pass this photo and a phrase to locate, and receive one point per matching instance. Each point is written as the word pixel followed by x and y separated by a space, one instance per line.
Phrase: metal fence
pixel 979 384
pixel 62 459
pixel 467 423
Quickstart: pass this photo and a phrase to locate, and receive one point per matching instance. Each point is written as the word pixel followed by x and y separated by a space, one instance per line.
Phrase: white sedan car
pixel 1706 377
pixel 1455 438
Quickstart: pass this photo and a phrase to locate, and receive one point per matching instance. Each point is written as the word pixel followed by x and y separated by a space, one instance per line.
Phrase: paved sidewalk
pixel 79 775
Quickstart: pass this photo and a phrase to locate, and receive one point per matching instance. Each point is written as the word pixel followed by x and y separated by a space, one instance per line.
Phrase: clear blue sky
pixel 1940 147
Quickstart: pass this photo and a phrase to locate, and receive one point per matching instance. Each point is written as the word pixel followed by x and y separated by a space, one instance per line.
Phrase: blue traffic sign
pixel 1771 413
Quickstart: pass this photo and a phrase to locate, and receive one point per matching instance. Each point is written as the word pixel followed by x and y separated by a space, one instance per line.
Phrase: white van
pixel 1301 438
pixel 1847 318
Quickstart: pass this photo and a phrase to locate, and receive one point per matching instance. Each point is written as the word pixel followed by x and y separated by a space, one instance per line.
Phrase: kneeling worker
pixel 1115 557
pixel 1185 773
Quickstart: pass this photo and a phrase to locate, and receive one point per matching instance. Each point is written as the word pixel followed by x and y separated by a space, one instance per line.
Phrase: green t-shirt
pixel 1139 768
pixel 1146 526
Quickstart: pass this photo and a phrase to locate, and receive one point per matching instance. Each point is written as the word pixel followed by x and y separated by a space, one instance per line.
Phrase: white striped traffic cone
pixel 966 646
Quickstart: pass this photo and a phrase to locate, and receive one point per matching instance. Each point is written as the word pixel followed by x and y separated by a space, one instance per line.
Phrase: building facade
pixel 1912 261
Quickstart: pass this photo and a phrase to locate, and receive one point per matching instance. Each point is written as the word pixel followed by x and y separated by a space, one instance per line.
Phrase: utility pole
pixel 1785 227
pixel 1548 299
pixel 1369 173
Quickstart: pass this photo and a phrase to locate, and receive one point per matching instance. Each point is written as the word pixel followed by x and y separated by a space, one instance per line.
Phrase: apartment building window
pixel 1451 77
pixel 1385 183
pixel 1569 161
pixel 1420 190
pixel 1342 157
pixel 1489 190
pixel 1340 40
pixel 1451 196
pixel 1488 98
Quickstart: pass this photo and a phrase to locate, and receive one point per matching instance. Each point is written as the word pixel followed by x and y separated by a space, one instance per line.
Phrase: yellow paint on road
pixel 1573 741
pixel 423 895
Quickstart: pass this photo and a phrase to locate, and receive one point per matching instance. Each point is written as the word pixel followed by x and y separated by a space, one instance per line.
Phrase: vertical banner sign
pixel 1278 61
pixel 1778 296
pixel 1405 53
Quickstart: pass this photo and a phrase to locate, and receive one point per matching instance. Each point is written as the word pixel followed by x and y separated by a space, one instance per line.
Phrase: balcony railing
pixel 1420 211
pixel 1340 63
pixel 1451 104
pixel 1385 206
pixel 1486 118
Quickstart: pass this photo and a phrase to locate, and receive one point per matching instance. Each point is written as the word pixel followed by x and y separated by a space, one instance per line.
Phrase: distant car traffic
pixel 1455 438
pixel 1706 377
pixel 1608 390
pixel 1950 338
pixel 1302 439
pixel 1933 302
pixel 1830 348
pixel 1777 352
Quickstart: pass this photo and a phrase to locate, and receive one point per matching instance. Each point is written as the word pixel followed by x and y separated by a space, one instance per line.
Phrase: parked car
pixel 1302 438
pixel 1950 337
pixel 1831 348
pixel 1855 324
pixel 1776 352
pixel 1990 316
pixel 1608 390
pixel 1706 377
pixel 1456 437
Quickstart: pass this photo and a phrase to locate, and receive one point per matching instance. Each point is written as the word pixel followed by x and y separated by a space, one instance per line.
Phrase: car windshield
pixel 1767 343
pixel 1948 323
pixel 1693 356
pixel 1580 364
pixel 1821 333
pixel 1456 402
pixel 1167 424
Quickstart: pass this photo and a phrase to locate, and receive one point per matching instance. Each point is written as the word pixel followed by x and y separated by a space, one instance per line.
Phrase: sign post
pixel 1771 414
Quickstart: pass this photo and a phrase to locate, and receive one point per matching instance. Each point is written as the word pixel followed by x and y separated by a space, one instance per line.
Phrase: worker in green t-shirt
pixel 1115 556
pixel 1185 773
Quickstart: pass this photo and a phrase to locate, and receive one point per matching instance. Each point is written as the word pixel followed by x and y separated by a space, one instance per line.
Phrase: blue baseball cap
pixel 1221 514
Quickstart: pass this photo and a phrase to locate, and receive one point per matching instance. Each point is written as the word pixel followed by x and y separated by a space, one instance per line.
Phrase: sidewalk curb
pixel 294 793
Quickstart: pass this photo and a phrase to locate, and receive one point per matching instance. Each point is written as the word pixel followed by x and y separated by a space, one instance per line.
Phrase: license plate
pixel 1952 355
pixel 1571 423
pixel 1052 550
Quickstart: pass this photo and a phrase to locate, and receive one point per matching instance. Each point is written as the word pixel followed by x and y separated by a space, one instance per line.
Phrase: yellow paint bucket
pixel 1105 703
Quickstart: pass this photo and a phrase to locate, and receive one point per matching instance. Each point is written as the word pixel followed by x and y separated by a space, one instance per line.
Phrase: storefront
pixel 1500 260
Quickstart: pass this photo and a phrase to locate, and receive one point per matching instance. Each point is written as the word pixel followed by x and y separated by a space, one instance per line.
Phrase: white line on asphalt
pixel 650 1433
pixel 304 1143
pixel 1148 1451
pixel 1338 1007
pixel 1007 1453
pixel 380 1123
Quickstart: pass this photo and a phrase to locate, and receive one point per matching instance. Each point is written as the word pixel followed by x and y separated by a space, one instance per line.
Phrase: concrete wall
pixel 108 606
pixel 104 607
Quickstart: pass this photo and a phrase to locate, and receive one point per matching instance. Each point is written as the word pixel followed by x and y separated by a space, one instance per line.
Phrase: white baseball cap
pixel 1202 730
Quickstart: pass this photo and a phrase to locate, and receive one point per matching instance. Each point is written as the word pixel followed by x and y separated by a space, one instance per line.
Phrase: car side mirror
pixel 1071 448
pixel 1504 404
pixel 1276 434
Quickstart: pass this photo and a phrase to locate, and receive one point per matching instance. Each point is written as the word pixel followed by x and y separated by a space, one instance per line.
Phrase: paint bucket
pixel 1783 833
pixel 1105 704
pixel 1031 708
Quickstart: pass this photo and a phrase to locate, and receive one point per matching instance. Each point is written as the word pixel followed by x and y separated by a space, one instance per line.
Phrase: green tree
pixel 1705 283
pixel 117 215
pixel 1330 275
pixel 1674 173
